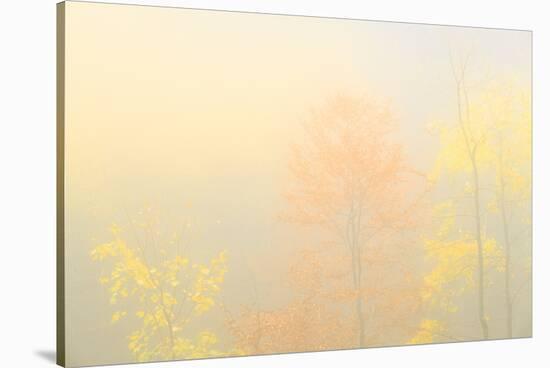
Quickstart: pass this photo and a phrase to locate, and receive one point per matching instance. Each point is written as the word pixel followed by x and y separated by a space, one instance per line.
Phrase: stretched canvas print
pixel 236 184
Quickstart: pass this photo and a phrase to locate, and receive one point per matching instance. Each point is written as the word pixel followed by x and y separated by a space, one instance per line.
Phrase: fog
pixel 195 132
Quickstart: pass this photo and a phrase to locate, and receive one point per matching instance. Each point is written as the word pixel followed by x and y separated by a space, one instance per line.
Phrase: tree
pixel 165 297
pixel 506 110
pixel 310 321
pixel 349 179
pixel 486 152
pixel 453 251
pixel 473 144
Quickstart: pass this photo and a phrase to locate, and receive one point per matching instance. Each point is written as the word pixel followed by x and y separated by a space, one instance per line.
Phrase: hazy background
pixel 192 113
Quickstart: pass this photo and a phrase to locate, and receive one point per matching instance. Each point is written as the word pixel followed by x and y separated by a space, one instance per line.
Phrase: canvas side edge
pixel 60 184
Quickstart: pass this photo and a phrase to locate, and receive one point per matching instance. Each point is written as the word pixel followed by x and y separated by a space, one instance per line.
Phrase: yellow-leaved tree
pixel 482 175
pixel 164 296
pixel 507 113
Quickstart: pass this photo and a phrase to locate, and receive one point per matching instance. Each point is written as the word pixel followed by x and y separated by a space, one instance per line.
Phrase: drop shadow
pixel 47 355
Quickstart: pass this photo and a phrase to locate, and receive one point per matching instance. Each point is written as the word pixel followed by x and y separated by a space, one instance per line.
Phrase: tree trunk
pixel 481 266
pixel 359 302
pixel 471 147
pixel 507 249
pixel 354 243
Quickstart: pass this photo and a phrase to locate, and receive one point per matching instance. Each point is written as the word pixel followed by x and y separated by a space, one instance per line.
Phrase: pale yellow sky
pixel 165 81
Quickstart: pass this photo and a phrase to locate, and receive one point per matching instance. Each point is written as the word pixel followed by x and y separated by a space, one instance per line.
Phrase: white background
pixel 27 184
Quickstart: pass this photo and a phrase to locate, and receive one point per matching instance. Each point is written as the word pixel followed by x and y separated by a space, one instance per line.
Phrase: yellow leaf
pixel 117 316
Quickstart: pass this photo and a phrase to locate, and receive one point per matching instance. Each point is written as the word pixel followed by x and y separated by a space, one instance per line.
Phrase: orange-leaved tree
pixel 350 179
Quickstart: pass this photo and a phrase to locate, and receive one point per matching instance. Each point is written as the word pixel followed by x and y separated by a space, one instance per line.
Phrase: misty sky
pixel 193 112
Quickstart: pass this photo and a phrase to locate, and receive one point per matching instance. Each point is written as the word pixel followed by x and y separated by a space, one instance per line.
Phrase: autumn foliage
pixel 386 254
pixel 165 297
